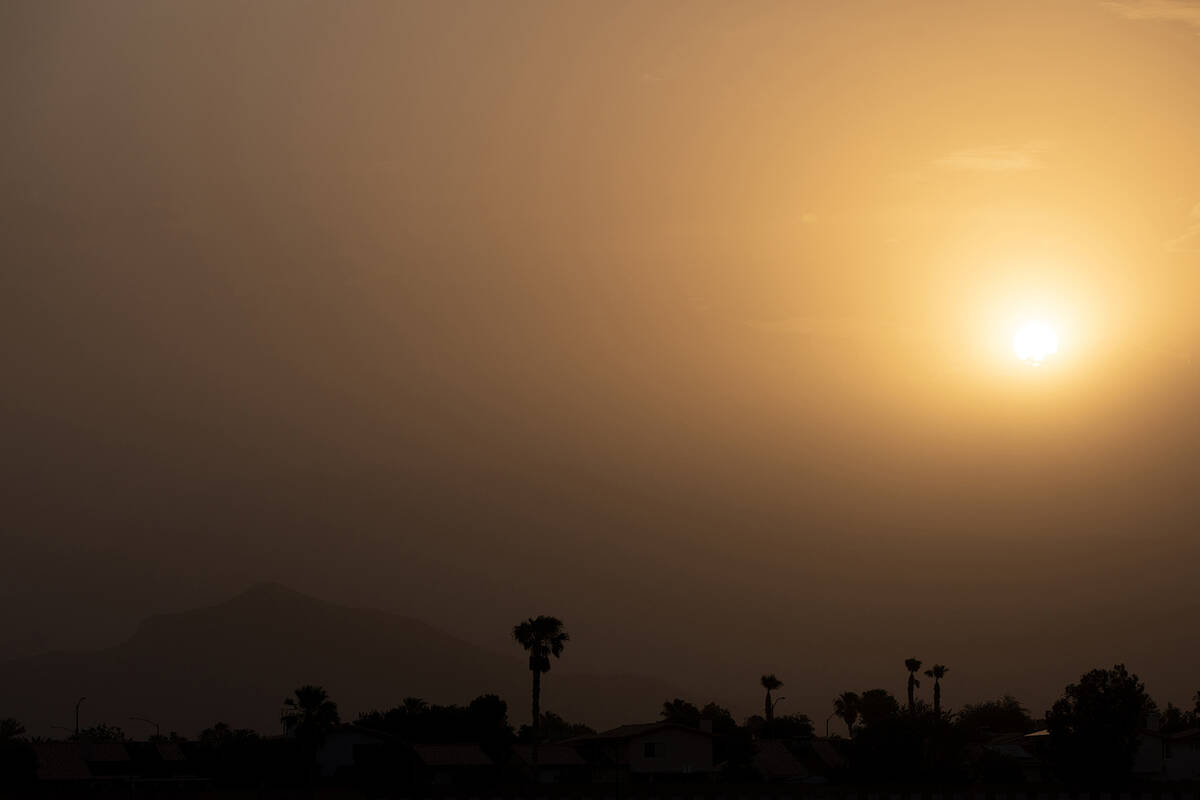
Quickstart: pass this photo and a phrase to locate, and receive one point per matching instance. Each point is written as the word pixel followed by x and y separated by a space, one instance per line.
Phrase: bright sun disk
pixel 1034 341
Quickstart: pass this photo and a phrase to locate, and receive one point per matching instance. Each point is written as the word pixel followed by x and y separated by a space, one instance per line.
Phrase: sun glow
pixel 1034 342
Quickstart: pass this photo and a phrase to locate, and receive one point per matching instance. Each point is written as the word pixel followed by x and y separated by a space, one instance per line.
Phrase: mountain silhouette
pixel 237 660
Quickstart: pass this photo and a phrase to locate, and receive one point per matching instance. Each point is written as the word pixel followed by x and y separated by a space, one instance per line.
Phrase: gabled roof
pixel 170 751
pixel 452 755
pixel 108 752
pixel 60 761
pixel 1007 738
pixel 549 755
pixel 1172 737
pixel 1190 733
pixel 776 762
pixel 828 754
pixel 630 731
pixel 1011 750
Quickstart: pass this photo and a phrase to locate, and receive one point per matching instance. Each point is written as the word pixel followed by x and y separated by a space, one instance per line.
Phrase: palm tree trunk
pixel 537 714
pixel 768 707
pixel 912 705
pixel 937 699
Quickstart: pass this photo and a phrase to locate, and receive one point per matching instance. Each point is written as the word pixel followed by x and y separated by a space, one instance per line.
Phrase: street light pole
pixel 77 704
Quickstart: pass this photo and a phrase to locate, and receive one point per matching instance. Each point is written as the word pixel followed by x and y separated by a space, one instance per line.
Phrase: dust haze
pixel 659 318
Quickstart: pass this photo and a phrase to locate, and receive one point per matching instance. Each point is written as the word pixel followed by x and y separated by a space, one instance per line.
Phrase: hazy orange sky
pixel 687 322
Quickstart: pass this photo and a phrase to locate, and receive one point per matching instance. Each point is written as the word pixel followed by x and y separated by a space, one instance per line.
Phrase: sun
pixel 1034 342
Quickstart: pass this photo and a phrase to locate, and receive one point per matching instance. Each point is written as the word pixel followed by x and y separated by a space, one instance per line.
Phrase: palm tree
pixel 937 673
pixel 414 705
pixel 542 637
pixel 770 683
pixel 310 716
pixel 846 706
pixel 912 665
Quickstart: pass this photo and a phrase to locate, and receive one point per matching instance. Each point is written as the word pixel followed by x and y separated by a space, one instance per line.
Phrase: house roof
pixel 1174 736
pixel 170 751
pixel 452 755
pixel 1011 750
pixel 828 754
pixel 630 731
pixel 549 755
pixel 1007 738
pixel 108 752
pixel 776 762
pixel 60 761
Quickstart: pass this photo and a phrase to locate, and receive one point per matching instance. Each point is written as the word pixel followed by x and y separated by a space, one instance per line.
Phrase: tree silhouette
pixel 877 705
pixel 100 733
pixel 10 729
pixel 937 672
pixel 788 726
pixel 1175 719
pixel 414 705
pixel 912 665
pixel 722 720
pixel 310 716
pixel 554 728
pixel 770 683
pixel 980 721
pixel 681 712
pixel 542 637
pixel 846 706
pixel 1094 726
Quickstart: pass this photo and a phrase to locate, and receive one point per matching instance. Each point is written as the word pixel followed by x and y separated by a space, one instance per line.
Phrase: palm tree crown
pixel 912 665
pixel 542 637
pixel 770 683
pixel 937 672
pixel 846 706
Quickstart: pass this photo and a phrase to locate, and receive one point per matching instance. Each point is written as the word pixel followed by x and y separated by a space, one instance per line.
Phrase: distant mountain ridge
pixel 235 662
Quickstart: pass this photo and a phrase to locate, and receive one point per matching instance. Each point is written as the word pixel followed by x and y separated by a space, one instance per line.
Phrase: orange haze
pixel 689 323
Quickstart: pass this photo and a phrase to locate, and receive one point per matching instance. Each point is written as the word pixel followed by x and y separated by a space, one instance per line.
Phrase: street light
pixel 77 704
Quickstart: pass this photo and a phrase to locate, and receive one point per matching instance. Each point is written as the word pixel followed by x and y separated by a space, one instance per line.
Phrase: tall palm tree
pixel 770 683
pixel 937 673
pixel 846 706
pixel 310 716
pixel 912 665
pixel 542 637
